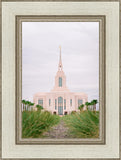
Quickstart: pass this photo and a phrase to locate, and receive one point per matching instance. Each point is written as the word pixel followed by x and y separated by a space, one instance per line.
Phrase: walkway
pixel 58 131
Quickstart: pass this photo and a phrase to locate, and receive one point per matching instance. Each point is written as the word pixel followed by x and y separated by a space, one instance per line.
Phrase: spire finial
pixel 60 61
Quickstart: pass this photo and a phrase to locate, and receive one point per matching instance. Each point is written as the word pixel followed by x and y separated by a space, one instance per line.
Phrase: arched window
pixel 60 105
pixel 60 101
pixel 60 82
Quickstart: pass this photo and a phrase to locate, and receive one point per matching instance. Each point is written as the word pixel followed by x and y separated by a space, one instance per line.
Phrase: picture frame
pixel 19 20
pixel 109 64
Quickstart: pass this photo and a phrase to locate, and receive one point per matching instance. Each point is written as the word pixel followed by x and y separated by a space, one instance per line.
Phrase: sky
pixel 79 43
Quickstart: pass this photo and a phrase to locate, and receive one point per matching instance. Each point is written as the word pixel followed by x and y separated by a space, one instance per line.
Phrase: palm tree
pixel 27 105
pixel 87 104
pixel 32 104
pixel 81 107
pixel 39 108
pixel 94 102
pixel 23 102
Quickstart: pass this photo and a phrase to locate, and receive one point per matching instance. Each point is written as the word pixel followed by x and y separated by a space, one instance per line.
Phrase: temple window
pixel 64 103
pixel 60 105
pixel 60 82
pixel 60 101
pixel 55 104
pixel 70 102
pixel 40 102
pixel 80 101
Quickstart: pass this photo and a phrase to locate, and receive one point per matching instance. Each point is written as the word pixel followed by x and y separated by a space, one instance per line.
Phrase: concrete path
pixel 58 131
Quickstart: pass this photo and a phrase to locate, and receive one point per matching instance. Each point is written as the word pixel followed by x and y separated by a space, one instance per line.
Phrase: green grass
pixel 83 125
pixel 34 123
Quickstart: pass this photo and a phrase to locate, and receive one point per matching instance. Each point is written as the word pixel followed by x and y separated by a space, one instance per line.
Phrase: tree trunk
pixel 95 107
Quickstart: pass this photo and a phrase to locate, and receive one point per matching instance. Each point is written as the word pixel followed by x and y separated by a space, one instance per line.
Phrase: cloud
pixel 80 56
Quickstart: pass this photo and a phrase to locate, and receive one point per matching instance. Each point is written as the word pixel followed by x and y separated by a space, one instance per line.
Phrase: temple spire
pixel 60 67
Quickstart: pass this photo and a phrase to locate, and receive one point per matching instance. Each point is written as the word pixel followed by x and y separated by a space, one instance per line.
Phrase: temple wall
pixel 65 95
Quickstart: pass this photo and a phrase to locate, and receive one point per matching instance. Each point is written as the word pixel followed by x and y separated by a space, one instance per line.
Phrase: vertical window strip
pixel 70 102
pixel 60 105
pixel 60 82
pixel 55 104
pixel 64 103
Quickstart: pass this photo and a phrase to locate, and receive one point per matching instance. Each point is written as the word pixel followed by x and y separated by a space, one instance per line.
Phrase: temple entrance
pixel 60 106
pixel 60 110
pixel 65 113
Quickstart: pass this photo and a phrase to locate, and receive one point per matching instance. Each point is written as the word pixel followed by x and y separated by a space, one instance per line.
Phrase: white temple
pixel 60 100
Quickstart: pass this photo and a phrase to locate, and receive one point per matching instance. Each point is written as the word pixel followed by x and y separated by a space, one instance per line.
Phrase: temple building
pixel 60 100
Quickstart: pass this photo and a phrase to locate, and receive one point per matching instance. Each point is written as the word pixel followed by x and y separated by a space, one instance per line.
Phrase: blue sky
pixel 40 56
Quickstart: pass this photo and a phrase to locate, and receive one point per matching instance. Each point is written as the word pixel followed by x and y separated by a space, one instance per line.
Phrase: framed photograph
pixel 60 79
pixel 59 109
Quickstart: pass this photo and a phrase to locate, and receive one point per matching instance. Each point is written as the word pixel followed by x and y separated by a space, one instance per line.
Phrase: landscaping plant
pixel 35 123
pixel 83 125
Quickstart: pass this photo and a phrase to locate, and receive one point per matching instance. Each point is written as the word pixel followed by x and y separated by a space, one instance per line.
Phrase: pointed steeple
pixel 60 78
pixel 60 66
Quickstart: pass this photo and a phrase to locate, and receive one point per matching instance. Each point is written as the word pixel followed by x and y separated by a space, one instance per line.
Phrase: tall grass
pixel 35 123
pixel 83 125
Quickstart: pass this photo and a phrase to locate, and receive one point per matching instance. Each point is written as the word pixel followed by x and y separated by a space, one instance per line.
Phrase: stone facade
pixel 60 100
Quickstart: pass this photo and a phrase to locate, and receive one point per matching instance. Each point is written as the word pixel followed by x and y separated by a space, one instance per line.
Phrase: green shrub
pixel 73 112
pixel 35 123
pixel 83 125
